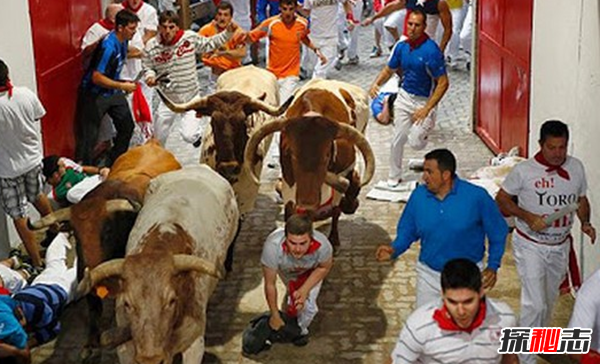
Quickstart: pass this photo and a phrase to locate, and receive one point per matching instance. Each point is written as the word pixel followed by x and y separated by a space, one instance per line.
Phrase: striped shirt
pixel 179 61
pixel 422 340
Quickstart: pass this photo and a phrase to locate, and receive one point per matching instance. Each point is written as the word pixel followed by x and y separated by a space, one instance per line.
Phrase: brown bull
pixel 317 152
pixel 103 219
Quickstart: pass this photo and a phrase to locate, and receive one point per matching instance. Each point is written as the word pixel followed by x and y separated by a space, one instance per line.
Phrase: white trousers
pixel 191 128
pixel 541 268
pixel 308 313
pixel 328 47
pixel 395 20
pixel 458 17
pixel 466 36
pixel 77 192
pixel 429 285
pixel 348 39
pixel 406 131
pixel 56 271
pixel 287 86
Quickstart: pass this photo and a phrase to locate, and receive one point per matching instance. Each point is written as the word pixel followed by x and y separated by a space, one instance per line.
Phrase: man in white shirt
pixel 544 184
pixel 21 158
pixel 586 314
pixel 465 326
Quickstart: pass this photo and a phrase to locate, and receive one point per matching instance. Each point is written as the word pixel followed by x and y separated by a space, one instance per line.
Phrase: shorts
pixel 17 191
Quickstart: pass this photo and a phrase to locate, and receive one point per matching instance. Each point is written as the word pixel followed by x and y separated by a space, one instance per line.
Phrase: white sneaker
pixel 393 182
pixel 415 164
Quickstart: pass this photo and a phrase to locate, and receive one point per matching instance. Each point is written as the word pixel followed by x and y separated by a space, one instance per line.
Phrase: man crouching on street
pixel 302 257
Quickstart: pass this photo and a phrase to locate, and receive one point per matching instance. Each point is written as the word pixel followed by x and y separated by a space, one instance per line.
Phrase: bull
pixel 103 219
pixel 325 122
pixel 172 264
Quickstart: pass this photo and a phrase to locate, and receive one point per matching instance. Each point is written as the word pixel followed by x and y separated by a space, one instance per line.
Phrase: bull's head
pixel 157 303
pixel 307 155
pixel 231 123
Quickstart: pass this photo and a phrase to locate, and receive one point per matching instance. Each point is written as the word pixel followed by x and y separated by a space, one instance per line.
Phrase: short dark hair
pixel 287 2
pixel 553 128
pixel 168 16
pixel 445 159
pixel 419 12
pixel 3 73
pixel 461 273
pixel 298 224
pixel 49 165
pixel 224 5
pixel 125 17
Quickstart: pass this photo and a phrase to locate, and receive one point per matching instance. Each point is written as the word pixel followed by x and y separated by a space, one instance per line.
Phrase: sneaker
pixel 376 52
pixel 415 165
pixel 197 143
pixel 341 54
pixel 393 182
pixel 353 61
pixel 302 340
pixel 338 65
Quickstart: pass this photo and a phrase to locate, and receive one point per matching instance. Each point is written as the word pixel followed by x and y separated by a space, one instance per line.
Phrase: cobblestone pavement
pixel 363 303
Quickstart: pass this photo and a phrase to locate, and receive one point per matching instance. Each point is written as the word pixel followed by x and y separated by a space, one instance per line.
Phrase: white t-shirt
pixel 423 341
pixel 11 279
pixel 93 34
pixel 148 21
pixel 241 13
pixel 543 193
pixel 323 15
pixel 586 312
pixel 288 267
pixel 20 132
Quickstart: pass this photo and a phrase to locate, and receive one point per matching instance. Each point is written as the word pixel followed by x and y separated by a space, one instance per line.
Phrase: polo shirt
pixel 221 62
pixel 454 227
pixel 419 66
pixel 108 59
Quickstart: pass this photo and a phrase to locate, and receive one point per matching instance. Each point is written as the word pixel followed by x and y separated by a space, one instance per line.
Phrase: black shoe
pixel 197 143
pixel 302 340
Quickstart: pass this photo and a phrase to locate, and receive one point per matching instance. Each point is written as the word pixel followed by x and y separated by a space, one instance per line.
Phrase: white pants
pixel 458 17
pixel 348 39
pixel 466 32
pixel 211 85
pixel 406 131
pixel 77 192
pixel 107 130
pixel 386 38
pixel 395 20
pixel 328 47
pixel 541 268
pixel 56 271
pixel 308 313
pixel 429 285
pixel 287 86
pixel 191 128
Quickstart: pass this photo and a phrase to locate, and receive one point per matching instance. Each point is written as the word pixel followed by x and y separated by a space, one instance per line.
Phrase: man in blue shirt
pixel 424 82
pixel 102 92
pixel 452 218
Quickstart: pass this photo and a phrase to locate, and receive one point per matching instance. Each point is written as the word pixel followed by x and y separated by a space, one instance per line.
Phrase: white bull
pixel 174 254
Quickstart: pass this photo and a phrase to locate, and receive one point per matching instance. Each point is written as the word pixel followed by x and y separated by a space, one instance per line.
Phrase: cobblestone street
pixel 363 303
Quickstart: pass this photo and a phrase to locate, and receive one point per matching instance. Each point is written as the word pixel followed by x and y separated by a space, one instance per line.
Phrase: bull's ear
pixel 348 99
pixel 263 96
pixel 109 287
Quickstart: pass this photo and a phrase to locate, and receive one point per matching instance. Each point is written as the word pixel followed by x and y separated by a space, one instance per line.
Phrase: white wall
pixel 16 49
pixel 566 85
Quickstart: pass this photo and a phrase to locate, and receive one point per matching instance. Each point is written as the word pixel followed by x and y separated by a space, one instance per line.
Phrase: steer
pixel 103 219
pixel 322 126
pixel 173 259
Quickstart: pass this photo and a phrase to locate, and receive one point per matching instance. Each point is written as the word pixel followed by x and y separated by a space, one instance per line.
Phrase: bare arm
pixel 22 355
pixel 382 78
pixel 236 53
pixel 306 40
pixel 148 34
pixel 584 214
pixel 510 359
pixel 101 80
pixel 133 52
pixel 446 19
pixel 388 9
pixel 509 207
pixel 313 279
pixel 441 86
pixel 270 277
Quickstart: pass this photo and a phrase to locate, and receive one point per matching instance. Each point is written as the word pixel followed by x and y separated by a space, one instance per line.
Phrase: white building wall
pixel 16 49
pixel 566 85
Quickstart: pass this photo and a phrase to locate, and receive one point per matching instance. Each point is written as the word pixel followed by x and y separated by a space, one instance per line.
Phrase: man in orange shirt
pixel 227 57
pixel 286 32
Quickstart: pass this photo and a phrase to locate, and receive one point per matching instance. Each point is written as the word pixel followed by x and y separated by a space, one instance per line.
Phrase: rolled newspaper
pixel 560 213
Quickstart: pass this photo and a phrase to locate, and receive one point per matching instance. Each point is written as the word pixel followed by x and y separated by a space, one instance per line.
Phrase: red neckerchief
pixel 4 291
pixel 414 44
pixel 539 157
pixel 7 87
pixel 313 247
pixel 106 24
pixel 128 7
pixel 175 39
pixel 445 321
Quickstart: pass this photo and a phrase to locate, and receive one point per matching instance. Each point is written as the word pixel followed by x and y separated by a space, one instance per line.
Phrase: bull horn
pixel 93 277
pixel 195 103
pixel 190 262
pixel 338 183
pixel 351 134
pixel 122 205
pixel 254 142
pixel 52 218
pixel 260 105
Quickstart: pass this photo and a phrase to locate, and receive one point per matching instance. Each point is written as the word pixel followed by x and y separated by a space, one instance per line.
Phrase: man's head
pixel 298 234
pixel 288 10
pixel 126 24
pixel 133 4
pixel 224 14
pixel 554 137
pixel 461 290
pixel 168 25
pixel 3 73
pixel 438 170
pixel 51 169
pixel 416 24
pixel 111 11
